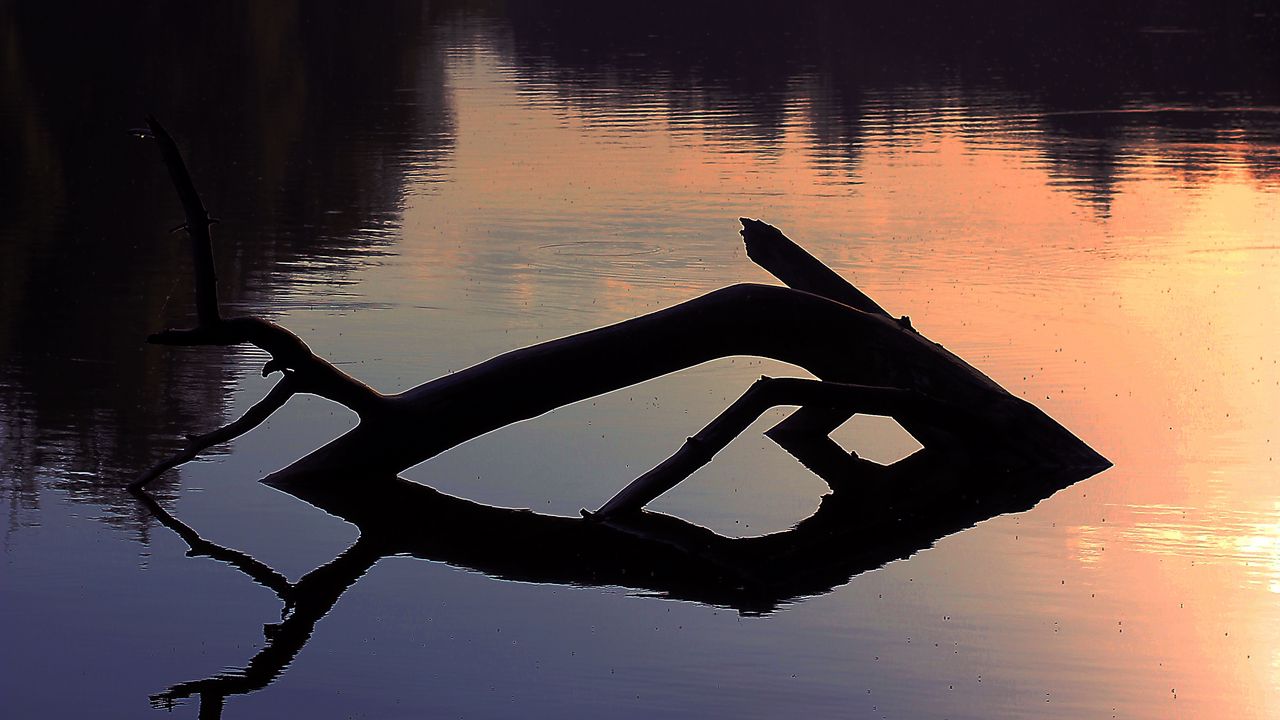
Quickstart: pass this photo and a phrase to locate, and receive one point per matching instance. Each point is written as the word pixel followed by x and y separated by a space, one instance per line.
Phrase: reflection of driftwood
pixel 985 451
pixel 305 603
pixel 879 514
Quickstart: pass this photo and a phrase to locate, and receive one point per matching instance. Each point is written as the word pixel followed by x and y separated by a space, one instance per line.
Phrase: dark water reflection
pixel 303 120
pixel 1180 74
pixel 417 188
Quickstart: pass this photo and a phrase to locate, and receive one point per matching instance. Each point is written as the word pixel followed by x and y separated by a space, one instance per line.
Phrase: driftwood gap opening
pixel 985 452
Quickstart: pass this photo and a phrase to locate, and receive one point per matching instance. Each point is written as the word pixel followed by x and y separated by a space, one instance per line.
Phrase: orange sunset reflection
pixel 1128 298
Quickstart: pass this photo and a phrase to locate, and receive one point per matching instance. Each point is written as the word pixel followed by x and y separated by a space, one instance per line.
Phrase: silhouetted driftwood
pixel 790 263
pixel 822 324
pixel 985 451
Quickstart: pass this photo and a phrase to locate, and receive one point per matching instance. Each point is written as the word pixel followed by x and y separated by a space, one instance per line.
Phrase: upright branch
pixel 197 225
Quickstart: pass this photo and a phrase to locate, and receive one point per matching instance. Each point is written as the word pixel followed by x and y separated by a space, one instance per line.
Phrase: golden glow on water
pixel 1140 313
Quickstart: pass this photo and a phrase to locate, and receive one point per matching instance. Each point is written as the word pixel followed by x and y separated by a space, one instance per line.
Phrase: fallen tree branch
pixel 833 341
pixel 822 323
pixel 986 452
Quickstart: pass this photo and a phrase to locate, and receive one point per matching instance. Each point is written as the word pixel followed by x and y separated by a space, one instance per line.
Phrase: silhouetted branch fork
pixel 287 350
pixel 764 394
pixel 305 371
pixel 774 252
pixel 312 374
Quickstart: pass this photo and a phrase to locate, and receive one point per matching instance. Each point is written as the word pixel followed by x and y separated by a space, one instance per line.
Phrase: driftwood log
pixel 985 452
pixel 869 361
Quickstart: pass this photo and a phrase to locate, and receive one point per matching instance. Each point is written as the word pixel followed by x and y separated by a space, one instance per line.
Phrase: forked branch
pixel 304 371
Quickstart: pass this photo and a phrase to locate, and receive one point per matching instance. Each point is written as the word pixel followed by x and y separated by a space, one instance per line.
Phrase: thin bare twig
pixel 197 224
pixel 252 418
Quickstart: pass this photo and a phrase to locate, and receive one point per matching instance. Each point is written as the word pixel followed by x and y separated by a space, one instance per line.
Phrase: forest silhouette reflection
pixel 282 101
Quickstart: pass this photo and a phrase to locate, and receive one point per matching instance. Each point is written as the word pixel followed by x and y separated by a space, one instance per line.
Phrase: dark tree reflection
pixel 1069 67
pixel 298 114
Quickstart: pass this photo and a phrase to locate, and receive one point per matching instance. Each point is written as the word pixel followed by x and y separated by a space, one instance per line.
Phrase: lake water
pixel 1084 205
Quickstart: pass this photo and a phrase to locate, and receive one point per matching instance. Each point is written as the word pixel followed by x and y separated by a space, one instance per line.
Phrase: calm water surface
pixel 1095 226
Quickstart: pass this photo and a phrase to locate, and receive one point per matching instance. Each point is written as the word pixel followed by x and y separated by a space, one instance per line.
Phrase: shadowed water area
pixel 1081 202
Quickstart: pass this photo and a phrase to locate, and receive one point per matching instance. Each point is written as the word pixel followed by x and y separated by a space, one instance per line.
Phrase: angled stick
pixel 196 444
pixel 197 224
pixel 763 394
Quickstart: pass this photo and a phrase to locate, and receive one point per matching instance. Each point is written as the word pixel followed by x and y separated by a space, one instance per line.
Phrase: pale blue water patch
pixel 112 622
